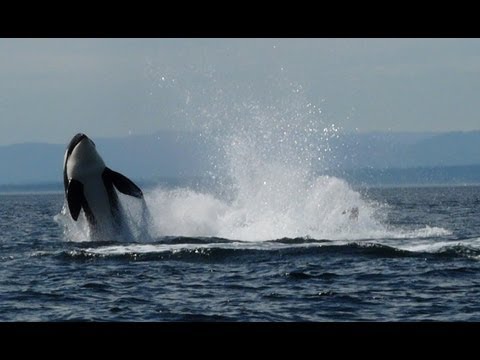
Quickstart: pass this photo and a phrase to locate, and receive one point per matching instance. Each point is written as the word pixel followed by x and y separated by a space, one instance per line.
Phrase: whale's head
pixel 81 144
pixel 81 158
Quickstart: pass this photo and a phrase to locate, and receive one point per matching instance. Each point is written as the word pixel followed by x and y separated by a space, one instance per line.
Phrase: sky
pixel 51 89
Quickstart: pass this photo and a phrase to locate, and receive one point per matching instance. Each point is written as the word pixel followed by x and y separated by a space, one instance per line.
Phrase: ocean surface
pixel 315 252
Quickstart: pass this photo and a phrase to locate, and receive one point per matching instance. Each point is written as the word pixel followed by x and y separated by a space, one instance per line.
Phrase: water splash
pixel 76 231
pixel 136 227
pixel 273 207
pixel 266 160
pixel 264 163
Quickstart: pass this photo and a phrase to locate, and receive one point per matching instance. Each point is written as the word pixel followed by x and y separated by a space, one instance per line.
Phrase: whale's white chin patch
pixel 84 161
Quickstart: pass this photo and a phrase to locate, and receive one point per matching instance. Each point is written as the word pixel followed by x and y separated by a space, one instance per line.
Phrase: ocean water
pixel 269 237
pixel 411 254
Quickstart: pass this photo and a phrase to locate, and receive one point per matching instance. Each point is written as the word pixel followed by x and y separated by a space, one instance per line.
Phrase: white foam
pixel 173 248
pixel 77 231
pixel 425 232
pixel 279 206
pixel 137 227
pixel 434 246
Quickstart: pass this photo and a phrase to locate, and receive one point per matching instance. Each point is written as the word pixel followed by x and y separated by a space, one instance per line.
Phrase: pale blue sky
pixel 52 88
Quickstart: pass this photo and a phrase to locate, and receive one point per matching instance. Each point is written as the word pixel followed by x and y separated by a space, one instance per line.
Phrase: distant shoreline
pixel 31 188
pixel 54 188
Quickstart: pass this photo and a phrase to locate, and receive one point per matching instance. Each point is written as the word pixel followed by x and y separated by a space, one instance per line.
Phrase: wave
pixel 204 249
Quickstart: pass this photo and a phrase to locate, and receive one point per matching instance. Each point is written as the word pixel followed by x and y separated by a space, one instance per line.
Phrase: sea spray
pixel 263 160
pixel 267 162
pixel 284 209
pixel 136 226
pixel 76 231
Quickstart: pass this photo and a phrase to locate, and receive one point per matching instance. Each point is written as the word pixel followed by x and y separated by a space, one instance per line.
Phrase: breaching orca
pixel 90 185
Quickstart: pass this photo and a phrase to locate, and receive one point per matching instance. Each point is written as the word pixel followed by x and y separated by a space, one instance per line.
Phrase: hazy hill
pixel 456 148
pixel 407 150
pixel 368 157
pixel 164 154
pixel 30 163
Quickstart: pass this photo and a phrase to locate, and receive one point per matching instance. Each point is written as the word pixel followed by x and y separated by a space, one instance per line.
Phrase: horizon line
pixel 356 131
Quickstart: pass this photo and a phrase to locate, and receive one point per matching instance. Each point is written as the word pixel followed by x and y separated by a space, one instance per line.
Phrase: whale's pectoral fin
pixel 122 183
pixel 75 198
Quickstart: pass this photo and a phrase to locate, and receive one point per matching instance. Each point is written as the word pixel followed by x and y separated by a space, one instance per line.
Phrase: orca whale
pixel 90 186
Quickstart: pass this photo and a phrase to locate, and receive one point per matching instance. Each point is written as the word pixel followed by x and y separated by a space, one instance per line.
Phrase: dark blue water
pixel 427 267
